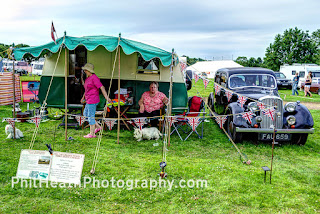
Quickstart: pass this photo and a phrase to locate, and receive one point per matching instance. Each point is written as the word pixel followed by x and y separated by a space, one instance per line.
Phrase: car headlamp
pixel 291 120
pixel 253 106
pixel 259 119
pixel 290 107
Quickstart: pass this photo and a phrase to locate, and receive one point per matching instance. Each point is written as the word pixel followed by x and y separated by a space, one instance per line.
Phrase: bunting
pixel 193 122
pixel 217 88
pixel 242 100
pixel 11 121
pixel 36 120
pixel 171 120
pixel 80 119
pixel 205 83
pixel 248 116
pixel 183 66
pixel 140 122
pixel 228 94
pixel 110 123
pixel 269 112
pixel 221 120
pixel 261 105
pixel 196 78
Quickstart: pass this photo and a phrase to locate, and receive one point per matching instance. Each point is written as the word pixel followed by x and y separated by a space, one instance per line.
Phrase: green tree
pixel 294 46
pixel 316 39
pixel 242 60
pixel 191 61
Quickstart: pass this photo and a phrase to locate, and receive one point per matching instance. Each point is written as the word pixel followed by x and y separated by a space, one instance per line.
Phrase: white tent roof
pixel 210 67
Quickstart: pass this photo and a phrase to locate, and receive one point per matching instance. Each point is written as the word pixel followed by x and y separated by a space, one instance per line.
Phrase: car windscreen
pixel 252 80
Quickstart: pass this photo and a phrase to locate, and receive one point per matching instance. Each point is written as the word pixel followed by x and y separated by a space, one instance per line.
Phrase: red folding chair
pixel 190 120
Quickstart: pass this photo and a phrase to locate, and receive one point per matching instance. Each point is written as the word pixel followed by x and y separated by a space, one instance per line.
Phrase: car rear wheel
pixel 231 130
pixel 299 139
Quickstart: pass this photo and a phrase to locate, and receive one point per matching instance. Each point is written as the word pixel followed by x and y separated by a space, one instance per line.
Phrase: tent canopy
pixel 110 43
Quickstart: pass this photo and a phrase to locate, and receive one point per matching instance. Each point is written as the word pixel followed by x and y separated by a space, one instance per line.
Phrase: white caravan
pixel 302 69
pixel 37 68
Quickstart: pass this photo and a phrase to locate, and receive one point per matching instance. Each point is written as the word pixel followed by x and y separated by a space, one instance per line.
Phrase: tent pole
pixel 119 107
pixel 66 95
pixel 170 94
pixel 14 100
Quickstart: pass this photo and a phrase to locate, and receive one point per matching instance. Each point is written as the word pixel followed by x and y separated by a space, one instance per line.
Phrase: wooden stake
pixel 66 94
pixel 14 100
pixel 274 136
pixel 119 108
pixel 170 95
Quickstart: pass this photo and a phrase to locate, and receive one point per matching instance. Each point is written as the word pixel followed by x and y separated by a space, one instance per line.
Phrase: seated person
pixel 250 80
pixel 151 102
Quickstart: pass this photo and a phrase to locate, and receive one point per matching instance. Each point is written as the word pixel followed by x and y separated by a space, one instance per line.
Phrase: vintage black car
pixel 293 121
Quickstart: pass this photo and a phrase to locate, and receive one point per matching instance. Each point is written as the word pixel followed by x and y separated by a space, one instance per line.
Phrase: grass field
pixel 232 187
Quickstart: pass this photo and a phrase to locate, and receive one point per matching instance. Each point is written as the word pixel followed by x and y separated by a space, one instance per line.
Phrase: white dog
pixel 9 132
pixel 147 134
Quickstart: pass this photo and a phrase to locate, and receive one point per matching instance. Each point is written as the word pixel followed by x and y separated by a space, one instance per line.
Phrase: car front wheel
pixel 299 139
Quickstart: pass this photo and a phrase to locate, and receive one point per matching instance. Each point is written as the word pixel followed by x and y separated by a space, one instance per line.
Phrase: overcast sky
pixel 198 28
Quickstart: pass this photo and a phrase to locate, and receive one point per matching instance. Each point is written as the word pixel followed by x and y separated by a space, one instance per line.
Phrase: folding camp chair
pixel 190 120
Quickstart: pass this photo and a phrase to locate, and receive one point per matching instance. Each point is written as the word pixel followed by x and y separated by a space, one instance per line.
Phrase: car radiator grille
pixel 266 120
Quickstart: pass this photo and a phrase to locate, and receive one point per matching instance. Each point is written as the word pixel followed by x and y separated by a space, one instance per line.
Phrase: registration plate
pixel 278 137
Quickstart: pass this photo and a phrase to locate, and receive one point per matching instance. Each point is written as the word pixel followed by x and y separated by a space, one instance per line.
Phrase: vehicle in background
pixel 293 121
pixel 282 80
pixel 315 86
pixel 189 79
pixel 22 68
pixel 37 67
pixel 303 69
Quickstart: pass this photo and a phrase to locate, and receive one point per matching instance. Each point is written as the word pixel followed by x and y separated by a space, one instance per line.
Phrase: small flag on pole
pixel 53 30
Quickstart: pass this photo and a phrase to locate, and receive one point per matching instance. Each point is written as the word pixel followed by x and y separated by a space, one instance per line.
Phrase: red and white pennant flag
pixel 205 83
pixel 80 119
pixel 242 100
pixel 36 120
pixel 110 122
pixel 53 30
pixel 217 88
pixel 183 66
pixel 139 122
pixel 248 116
pixel 269 112
pixel 221 121
pixel 171 120
pixel 228 94
pixel 11 121
pixel 196 78
pixel 261 105
pixel 193 122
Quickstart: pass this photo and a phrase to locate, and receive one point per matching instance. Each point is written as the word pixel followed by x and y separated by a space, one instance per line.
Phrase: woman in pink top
pixel 151 102
pixel 92 86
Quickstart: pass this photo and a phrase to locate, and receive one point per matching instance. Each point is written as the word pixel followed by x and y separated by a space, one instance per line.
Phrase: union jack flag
pixel 36 120
pixel 140 122
pixel 205 82
pixel 110 123
pixel 261 105
pixel 242 100
pixel 221 120
pixel 11 121
pixel 183 66
pixel 217 88
pixel 193 122
pixel 196 78
pixel 228 94
pixel 171 120
pixel 80 119
pixel 269 112
pixel 248 116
